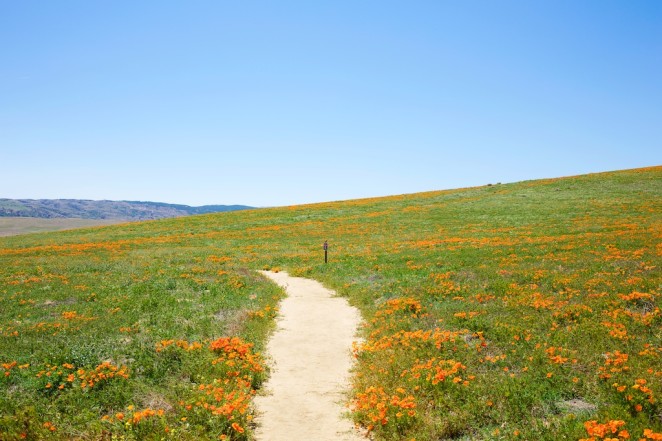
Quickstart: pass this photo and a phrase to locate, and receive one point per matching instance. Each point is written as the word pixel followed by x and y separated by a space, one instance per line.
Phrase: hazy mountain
pixel 87 209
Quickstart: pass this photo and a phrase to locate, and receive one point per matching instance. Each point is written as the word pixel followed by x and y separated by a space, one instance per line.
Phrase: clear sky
pixel 270 103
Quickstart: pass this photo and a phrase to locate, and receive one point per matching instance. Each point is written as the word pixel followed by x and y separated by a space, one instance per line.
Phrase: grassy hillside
pixel 518 311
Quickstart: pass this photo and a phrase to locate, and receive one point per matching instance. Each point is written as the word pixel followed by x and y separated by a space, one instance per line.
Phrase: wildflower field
pixel 520 311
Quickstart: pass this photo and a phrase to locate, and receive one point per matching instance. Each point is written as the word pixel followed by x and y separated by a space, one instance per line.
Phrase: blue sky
pixel 284 102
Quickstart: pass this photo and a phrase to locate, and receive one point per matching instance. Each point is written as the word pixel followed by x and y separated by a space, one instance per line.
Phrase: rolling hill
pixel 88 209
pixel 525 311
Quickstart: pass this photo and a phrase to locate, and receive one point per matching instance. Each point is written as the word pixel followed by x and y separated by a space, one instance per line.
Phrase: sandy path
pixel 311 353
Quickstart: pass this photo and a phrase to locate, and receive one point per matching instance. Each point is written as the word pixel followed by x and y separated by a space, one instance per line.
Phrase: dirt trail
pixel 311 353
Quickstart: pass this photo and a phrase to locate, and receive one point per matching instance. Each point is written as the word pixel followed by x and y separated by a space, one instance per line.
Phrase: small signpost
pixel 326 251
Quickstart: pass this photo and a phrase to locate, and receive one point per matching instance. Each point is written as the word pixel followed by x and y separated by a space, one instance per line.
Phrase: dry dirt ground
pixel 304 398
pixel 12 226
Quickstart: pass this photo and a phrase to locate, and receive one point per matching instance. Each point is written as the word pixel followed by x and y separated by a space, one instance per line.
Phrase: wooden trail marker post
pixel 326 251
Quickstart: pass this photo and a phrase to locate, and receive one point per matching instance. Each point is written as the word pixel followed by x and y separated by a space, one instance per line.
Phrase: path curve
pixel 311 359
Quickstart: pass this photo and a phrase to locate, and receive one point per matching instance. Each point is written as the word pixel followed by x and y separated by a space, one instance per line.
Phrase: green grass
pixel 497 312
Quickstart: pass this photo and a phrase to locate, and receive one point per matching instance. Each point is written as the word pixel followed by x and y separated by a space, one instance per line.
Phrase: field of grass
pixel 518 311
pixel 12 226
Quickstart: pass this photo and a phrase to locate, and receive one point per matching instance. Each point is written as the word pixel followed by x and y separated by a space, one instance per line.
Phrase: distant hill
pixel 87 209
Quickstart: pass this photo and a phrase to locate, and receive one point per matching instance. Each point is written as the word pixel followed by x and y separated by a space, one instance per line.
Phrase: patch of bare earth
pixel 13 226
pixel 311 359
